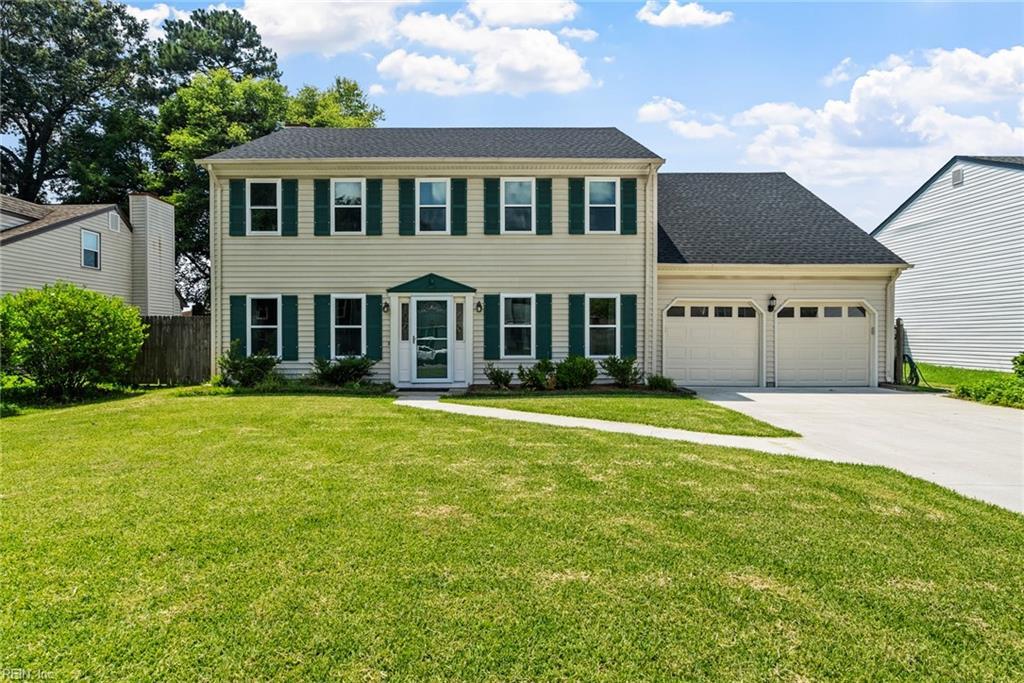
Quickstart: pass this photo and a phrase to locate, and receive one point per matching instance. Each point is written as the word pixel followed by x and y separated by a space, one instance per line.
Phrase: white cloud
pixel 773 113
pixel 840 73
pixel 674 14
pixel 695 130
pixel 522 12
pixel 499 60
pixel 155 16
pixel 377 89
pixel 587 35
pixel 609 59
pixel 660 109
pixel 327 28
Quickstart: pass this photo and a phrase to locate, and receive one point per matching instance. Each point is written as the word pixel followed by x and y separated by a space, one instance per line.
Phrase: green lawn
pixel 316 537
pixel 660 410
pixel 945 377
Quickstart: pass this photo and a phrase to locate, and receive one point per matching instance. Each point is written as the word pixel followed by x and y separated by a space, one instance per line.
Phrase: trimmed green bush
pixel 342 371
pixel 575 372
pixel 67 339
pixel 624 371
pixel 538 376
pixel 660 383
pixel 1018 365
pixel 240 370
pixel 999 392
pixel 499 378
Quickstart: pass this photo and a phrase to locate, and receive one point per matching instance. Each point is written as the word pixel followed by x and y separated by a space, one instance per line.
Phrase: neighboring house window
pixel 602 325
pixel 348 215
pixel 517 325
pixel 517 205
pixel 90 249
pixel 432 205
pixel 348 337
pixel 602 205
pixel 264 324
pixel 263 215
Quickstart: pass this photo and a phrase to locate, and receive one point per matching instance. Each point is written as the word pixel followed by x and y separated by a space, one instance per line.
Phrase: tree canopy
pixel 344 105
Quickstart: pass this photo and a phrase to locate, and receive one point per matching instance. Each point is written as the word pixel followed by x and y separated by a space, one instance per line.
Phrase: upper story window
pixel 518 212
pixel 114 221
pixel 264 324
pixel 602 325
pixel 602 200
pixel 348 196
pixel 348 336
pixel 432 213
pixel 263 206
pixel 517 325
pixel 90 249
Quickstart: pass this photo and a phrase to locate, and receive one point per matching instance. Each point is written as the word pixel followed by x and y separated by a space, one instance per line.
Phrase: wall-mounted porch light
pixel 771 303
pixel 386 307
pixel 479 307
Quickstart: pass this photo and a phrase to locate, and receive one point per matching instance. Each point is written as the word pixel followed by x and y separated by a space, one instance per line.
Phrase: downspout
pixel 890 322
pixel 652 325
pixel 215 280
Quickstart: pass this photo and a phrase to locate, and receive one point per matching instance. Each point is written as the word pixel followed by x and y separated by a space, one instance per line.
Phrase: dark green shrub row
pixel 999 392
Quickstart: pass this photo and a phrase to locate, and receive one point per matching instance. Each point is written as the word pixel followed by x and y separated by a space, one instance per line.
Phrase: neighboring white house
pixel 963 231
pixel 439 251
pixel 94 246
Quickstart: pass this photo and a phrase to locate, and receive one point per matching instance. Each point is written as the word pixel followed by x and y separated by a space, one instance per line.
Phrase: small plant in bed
pixel 247 371
pixel 575 372
pixel 342 371
pixel 660 383
pixel 537 377
pixel 624 371
pixel 499 378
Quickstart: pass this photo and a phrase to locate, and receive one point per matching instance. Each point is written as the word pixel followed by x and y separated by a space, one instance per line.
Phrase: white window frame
pixel 99 250
pixel 362 205
pixel 249 207
pixel 249 326
pixel 533 325
pixel 361 298
pixel 618 323
pixel 447 206
pixel 532 205
pixel 114 221
pixel 586 205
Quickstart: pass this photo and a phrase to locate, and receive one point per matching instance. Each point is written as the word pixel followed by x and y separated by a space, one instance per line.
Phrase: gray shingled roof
pixel 764 218
pixel 1015 161
pixel 354 143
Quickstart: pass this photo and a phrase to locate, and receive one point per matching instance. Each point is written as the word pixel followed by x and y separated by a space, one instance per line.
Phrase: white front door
pixel 431 339
pixel 712 343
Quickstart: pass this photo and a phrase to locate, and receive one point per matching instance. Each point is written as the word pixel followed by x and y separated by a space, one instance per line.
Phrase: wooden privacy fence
pixel 177 351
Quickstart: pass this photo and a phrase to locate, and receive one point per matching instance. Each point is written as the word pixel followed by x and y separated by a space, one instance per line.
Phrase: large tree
pixel 344 105
pixel 206 41
pixel 212 113
pixel 65 65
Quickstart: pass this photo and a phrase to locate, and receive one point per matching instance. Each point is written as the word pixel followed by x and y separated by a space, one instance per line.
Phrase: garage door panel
pixel 823 351
pixel 705 351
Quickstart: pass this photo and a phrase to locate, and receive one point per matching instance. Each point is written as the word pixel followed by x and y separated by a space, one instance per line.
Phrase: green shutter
pixel 321 207
pixel 627 214
pixel 374 336
pixel 627 326
pixel 289 327
pixel 406 206
pixel 458 206
pixel 576 208
pixel 492 326
pixel 238 322
pixel 289 207
pixel 374 206
pixel 543 206
pixel 492 206
pixel 543 319
pixel 322 325
pixel 236 208
pixel 577 325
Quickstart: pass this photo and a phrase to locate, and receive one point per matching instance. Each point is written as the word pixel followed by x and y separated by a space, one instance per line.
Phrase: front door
pixel 430 343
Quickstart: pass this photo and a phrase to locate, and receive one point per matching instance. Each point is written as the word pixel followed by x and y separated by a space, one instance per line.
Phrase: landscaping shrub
pixel 1000 392
pixel 660 383
pixel 623 371
pixel 499 378
pixel 342 371
pixel 538 376
pixel 67 339
pixel 1018 365
pixel 575 372
pixel 237 369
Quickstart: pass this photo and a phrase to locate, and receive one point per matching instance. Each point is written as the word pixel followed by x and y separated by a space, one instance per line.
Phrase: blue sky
pixel 860 102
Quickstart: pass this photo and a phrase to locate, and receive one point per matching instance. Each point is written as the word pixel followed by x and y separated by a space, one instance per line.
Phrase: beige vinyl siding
pixel 153 254
pixel 56 254
pixel 557 264
pixel 10 220
pixel 963 301
pixel 759 289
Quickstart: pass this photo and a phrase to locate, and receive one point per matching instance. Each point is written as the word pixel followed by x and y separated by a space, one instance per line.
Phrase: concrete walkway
pixel 974 449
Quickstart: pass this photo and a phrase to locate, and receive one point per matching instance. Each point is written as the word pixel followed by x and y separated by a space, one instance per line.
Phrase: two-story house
pixel 440 250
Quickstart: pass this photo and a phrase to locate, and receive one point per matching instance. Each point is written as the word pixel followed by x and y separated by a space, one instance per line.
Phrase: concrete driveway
pixel 974 449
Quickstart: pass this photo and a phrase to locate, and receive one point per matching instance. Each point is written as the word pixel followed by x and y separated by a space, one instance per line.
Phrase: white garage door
pixel 823 345
pixel 712 344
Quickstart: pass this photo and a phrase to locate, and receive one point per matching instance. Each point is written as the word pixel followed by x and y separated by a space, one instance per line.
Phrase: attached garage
pixel 823 344
pixel 712 344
